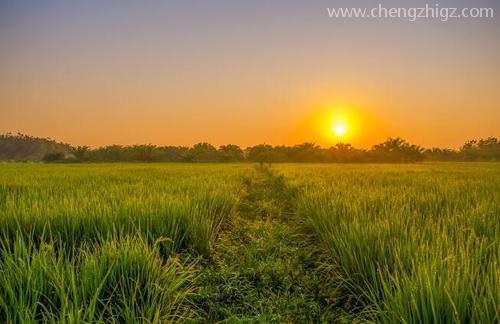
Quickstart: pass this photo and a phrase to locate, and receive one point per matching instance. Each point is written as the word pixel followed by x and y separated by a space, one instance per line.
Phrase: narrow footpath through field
pixel 263 270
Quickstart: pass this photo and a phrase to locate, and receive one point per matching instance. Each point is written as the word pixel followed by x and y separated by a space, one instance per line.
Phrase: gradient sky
pixel 100 72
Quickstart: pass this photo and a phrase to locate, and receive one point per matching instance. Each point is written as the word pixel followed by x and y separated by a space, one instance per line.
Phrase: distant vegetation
pixel 28 148
pixel 396 150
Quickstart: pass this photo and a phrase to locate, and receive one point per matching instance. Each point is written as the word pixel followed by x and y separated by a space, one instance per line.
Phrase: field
pixel 157 243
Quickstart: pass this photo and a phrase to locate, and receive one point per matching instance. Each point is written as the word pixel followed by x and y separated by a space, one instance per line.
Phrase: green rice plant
pixel 412 244
pixel 77 204
pixel 101 242
pixel 120 281
pixel 98 243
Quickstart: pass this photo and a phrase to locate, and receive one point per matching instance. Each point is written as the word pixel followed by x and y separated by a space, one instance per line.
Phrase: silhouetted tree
pixel 230 153
pixel 482 150
pixel 143 153
pixel 110 153
pixel 202 152
pixel 342 152
pixel 81 153
pixel 22 147
pixel 173 153
pixel 489 149
pixel 306 152
pixel 53 157
pixel 261 153
pixel 437 154
pixel 27 148
pixel 470 151
pixel 397 150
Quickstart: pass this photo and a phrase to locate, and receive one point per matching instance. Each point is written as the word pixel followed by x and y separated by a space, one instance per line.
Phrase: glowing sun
pixel 339 129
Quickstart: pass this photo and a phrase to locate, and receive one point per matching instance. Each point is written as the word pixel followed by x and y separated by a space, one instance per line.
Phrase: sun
pixel 339 129
pixel 335 125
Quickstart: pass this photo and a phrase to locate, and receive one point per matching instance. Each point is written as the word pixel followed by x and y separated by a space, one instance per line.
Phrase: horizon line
pixel 19 134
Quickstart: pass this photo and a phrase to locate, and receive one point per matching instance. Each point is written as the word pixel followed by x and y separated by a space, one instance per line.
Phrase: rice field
pixel 154 243
pixel 410 244
pixel 85 243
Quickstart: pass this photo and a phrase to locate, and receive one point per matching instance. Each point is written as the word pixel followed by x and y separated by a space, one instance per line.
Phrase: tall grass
pixel 117 242
pixel 122 281
pixel 76 204
pixel 99 243
pixel 412 244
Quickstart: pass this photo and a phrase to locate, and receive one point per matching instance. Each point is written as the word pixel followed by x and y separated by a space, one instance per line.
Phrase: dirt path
pixel 262 271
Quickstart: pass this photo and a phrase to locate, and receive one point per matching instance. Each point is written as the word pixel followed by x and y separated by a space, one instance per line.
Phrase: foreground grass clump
pixel 120 281
pixel 101 243
pixel 414 244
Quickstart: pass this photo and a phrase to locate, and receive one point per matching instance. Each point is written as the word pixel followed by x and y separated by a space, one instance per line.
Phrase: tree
pixel 22 147
pixel 172 153
pixel 397 150
pixel 111 153
pixel 28 148
pixel 306 152
pixel 203 152
pixel 261 153
pixel 487 149
pixel 81 153
pixel 342 152
pixel 437 154
pixel 142 153
pixel 231 153
pixel 53 157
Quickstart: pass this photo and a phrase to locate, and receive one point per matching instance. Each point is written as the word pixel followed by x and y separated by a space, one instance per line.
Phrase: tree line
pixel 396 150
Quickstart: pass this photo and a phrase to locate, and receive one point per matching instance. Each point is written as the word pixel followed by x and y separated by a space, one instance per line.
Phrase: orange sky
pixel 177 73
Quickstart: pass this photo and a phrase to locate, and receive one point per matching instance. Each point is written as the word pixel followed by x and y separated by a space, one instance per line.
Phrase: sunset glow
pixel 339 129
pixel 170 74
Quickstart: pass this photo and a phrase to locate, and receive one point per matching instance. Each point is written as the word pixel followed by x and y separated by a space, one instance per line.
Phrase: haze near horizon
pixel 177 73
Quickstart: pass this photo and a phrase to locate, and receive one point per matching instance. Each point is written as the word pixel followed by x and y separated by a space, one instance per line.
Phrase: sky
pixel 101 72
